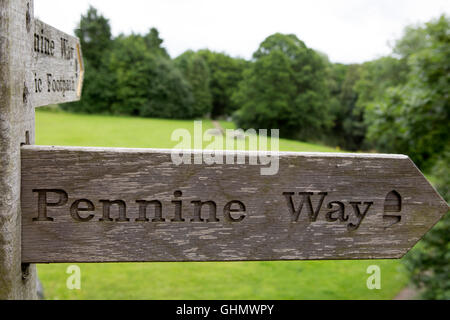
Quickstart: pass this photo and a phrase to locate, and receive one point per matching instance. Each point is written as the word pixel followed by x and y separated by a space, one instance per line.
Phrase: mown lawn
pixel 237 280
pixel 59 128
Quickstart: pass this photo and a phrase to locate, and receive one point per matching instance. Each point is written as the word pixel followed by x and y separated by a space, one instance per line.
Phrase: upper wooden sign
pixel 57 67
pixel 118 205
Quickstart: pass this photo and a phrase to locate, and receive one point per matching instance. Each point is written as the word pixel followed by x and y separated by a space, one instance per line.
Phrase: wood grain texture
pixel 16 120
pixel 401 207
pixel 57 71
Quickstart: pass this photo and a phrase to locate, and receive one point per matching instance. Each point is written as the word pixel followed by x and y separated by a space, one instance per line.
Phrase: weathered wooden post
pixel 39 65
pixel 17 281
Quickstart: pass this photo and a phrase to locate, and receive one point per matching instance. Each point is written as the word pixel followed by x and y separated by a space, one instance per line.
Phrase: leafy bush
pixel 413 117
pixel 429 263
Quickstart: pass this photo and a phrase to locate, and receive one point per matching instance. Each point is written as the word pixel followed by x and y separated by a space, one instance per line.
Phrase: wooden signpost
pixel 112 205
pixel 61 204
pixel 57 66
pixel 38 66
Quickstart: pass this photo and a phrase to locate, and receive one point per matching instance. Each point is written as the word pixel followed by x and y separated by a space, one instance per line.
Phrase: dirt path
pixel 408 293
pixel 218 127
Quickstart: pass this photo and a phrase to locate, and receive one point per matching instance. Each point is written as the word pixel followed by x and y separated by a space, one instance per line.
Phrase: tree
pixel 412 116
pixel 196 71
pixel 285 88
pixel 349 128
pixel 94 32
pixel 148 84
pixel 266 106
pixel 154 43
pixel 226 73
pixel 377 76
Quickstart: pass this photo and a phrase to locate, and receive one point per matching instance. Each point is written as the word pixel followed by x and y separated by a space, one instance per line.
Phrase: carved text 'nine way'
pixel 60 49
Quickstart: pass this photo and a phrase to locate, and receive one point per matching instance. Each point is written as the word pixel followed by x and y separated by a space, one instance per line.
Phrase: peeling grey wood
pixel 57 71
pixel 403 206
pixel 16 119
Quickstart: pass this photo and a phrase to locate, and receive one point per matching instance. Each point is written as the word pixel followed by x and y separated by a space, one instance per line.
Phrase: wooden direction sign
pixel 116 205
pixel 57 66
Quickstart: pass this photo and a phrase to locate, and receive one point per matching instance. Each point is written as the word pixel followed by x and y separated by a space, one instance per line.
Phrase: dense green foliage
pixel 285 88
pixel 349 129
pixel 197 73
pixel 134 75
pixel 96 41
pixel 226 73
pixel 409 111
pixel 148 83
pixel 130 75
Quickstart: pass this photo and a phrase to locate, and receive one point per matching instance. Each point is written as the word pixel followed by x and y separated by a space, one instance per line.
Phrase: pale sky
pixel 348 31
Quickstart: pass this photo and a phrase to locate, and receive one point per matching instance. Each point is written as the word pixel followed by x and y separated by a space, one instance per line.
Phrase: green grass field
pixel 59 128
pixel 236 280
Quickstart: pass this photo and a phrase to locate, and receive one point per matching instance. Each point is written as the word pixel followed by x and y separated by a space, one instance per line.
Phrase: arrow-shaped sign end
pixel 434 205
